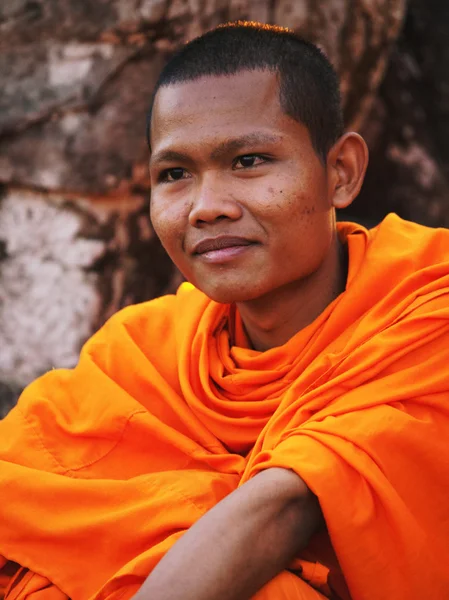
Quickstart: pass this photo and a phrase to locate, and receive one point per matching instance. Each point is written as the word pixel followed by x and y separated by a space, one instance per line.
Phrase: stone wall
pixel 76 243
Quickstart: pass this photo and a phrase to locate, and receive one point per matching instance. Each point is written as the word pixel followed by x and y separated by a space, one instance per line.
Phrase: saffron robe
pixel 103 467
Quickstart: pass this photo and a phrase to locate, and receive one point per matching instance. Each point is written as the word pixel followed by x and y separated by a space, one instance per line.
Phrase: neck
pixel 272 320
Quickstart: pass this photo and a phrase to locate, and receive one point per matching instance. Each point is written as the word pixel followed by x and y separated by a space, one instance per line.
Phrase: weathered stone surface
pixel 52 78
pixel 36 21
pixel 66 264
pixel 48 296
pixel 88 151
pixel 408 129
pixel 74 112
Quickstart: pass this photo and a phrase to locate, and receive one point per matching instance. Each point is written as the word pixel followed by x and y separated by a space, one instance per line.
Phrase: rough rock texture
pixel 66 264
pixel 74 100
pixel 47 283
pixel 76 243
pixel 408 128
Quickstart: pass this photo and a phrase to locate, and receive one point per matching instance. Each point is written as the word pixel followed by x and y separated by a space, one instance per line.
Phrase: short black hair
pixel 308 85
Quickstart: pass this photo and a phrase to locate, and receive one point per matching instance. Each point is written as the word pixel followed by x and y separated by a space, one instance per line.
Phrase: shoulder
pixel 397 255
pixel 152 322
pixel 427 245
pixel 161 308
pixel 69 418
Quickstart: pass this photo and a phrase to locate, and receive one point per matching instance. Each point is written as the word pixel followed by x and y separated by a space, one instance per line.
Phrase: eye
pixel 173 174
pixel 248 160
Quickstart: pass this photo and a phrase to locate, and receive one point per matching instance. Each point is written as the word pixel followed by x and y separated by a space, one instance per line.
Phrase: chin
pixel 230 294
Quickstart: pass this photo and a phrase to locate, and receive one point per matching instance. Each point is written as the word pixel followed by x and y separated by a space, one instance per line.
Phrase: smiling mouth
pixel 222 249
pixel 221 243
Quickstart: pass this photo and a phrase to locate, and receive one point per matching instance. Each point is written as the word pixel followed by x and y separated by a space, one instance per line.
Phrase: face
pixel 239 198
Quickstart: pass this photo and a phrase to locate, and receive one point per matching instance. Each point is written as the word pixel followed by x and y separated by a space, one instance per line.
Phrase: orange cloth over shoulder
pixel 102 468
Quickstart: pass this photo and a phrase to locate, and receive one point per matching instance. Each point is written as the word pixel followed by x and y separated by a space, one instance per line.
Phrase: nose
pixel 213 203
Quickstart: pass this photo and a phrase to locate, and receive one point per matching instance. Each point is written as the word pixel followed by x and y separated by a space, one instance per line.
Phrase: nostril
pixel 212 220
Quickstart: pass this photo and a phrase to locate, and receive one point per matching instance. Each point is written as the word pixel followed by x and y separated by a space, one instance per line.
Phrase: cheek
pixel 298 192
pixel 306 223
pixel 168 220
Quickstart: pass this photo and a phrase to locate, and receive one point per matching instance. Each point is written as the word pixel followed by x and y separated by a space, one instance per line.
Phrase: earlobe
pixel 348 160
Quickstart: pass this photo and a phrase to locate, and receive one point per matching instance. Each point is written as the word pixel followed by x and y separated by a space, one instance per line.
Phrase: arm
pixel 240 544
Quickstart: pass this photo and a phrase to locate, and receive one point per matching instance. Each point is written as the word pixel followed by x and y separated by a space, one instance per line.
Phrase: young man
pixel 279 428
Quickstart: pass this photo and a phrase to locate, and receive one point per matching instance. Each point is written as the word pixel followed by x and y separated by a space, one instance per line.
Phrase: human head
pixel 308 85
pixel 229 162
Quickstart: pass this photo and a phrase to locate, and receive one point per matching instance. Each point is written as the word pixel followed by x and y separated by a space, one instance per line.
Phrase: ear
pixel 347 161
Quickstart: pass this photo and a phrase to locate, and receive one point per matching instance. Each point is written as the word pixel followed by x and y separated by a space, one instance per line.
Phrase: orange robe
pixel 103 467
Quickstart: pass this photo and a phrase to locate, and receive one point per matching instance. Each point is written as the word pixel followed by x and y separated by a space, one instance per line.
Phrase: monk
pixel 279 428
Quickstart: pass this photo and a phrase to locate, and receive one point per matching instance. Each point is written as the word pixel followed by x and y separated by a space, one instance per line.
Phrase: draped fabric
pixel 103 467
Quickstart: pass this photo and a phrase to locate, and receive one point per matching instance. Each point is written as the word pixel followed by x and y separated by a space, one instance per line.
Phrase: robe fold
pixel 103 467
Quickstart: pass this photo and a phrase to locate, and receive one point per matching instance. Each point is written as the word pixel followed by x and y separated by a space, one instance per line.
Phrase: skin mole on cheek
pixel 308 210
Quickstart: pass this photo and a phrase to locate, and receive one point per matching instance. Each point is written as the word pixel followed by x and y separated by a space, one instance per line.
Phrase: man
pixel 277 429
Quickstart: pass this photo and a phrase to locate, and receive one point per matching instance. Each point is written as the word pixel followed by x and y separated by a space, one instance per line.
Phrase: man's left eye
pixel 248 160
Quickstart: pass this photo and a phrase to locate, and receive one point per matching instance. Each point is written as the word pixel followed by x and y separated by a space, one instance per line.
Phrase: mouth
pixel 221 249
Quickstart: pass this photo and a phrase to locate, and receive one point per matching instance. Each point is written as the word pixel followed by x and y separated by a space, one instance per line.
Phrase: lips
pixel 220 243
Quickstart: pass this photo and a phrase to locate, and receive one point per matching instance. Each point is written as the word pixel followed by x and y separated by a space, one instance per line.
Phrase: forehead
pixel 217 106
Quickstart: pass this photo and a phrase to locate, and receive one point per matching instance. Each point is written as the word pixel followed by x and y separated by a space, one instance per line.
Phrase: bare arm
pixel 240 544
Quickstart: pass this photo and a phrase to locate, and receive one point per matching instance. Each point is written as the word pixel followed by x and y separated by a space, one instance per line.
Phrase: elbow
pixel 299 511
pixel 303 517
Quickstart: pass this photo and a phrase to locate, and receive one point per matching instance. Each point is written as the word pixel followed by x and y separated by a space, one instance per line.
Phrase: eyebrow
pixel 168 156
pixel 223 149
pixel 243 141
